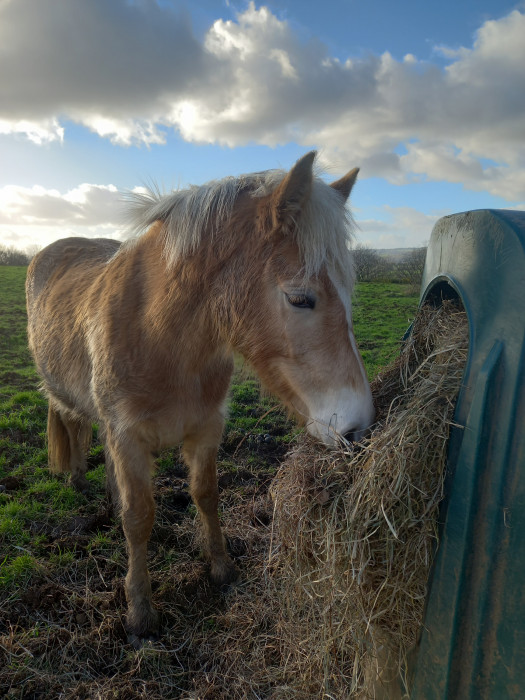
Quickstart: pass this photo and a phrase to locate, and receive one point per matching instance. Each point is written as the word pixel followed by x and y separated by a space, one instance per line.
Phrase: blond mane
pixel 324 229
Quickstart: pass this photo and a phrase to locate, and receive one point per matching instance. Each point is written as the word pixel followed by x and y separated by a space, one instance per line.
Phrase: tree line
pixel 370 266
pixel 9 255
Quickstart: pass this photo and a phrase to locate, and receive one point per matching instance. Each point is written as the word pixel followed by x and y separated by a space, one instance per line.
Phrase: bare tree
pixel 369 265
pixel 9 255
pixel 31 250
pixel 411 267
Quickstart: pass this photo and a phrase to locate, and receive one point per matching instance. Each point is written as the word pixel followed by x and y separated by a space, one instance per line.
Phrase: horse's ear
pixel 344 185
pixel 290 196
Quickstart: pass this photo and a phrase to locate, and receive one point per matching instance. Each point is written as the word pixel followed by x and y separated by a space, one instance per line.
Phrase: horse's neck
pixel 176 301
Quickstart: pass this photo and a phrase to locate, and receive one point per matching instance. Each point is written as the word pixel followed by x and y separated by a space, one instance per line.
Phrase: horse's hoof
pixel 224 573
pixel 81 485
pixel 142 626
pixel 110 510
pixel 139 642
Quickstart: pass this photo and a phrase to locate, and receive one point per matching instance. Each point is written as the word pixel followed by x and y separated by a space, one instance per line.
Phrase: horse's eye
pixel 301 301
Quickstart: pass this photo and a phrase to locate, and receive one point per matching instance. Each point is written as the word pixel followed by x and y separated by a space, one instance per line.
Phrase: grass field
pixel 62 557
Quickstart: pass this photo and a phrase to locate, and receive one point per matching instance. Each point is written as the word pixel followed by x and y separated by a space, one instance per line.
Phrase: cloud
pixel 36 215
pixel 130 71
pixel 41 132
pixel 113 66
pixel 401 227
pixel 30 215
pixel 86 205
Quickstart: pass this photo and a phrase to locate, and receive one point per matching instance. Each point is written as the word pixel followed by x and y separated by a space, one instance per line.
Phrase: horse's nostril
pixel 356 435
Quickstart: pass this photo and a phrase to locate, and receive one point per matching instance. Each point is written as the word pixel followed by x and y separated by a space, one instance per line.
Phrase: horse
pixel 140 337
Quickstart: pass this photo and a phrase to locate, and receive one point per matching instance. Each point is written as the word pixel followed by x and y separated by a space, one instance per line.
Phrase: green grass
pixel 17 571
pixel 16 368
pixel 382 313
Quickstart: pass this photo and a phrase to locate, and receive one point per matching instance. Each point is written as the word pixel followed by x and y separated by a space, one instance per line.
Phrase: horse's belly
pixel 69 389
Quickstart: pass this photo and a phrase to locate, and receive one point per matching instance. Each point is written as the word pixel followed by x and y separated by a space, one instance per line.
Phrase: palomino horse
pixel 141 338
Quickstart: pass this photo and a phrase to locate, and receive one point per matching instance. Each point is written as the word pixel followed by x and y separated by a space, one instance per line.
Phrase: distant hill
pixel 394 254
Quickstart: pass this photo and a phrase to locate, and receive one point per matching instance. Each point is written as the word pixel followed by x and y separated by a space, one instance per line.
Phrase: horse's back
pixel 61 256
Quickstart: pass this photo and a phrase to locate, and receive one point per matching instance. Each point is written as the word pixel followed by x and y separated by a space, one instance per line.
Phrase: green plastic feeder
pixel 473 643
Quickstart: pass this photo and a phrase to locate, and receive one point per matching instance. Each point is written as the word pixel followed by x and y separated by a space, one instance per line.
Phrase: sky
pixel 99 97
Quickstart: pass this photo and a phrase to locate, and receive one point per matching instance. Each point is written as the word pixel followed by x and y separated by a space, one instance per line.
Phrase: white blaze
pixel 344 409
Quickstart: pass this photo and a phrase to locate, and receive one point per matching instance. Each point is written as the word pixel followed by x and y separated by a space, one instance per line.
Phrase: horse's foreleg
pixel 112 492
pixel 132 473
pixel 205 493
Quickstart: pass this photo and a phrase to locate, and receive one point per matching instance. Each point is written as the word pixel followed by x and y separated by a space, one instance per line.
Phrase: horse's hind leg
pixel 132 464
pixel 201 459
pixel 68 442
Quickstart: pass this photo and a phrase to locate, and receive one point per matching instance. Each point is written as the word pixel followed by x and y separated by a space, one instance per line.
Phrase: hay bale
pixel 355 530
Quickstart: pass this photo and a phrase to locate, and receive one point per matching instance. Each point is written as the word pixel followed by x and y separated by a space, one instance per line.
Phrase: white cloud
pixel 125 131
pixel 35 215
pixel 438 161
pixel 131 70
pixel 40 132
pixel 402 227
pixel 88 205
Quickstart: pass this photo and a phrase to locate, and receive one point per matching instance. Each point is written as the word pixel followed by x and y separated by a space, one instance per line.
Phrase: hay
pixel 355 532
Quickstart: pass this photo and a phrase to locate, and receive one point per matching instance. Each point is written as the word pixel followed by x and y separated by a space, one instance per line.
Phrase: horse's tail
pixel 61 432
pixel 58 445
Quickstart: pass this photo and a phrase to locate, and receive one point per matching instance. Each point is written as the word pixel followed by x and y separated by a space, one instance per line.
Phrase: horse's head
pixel 301 339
